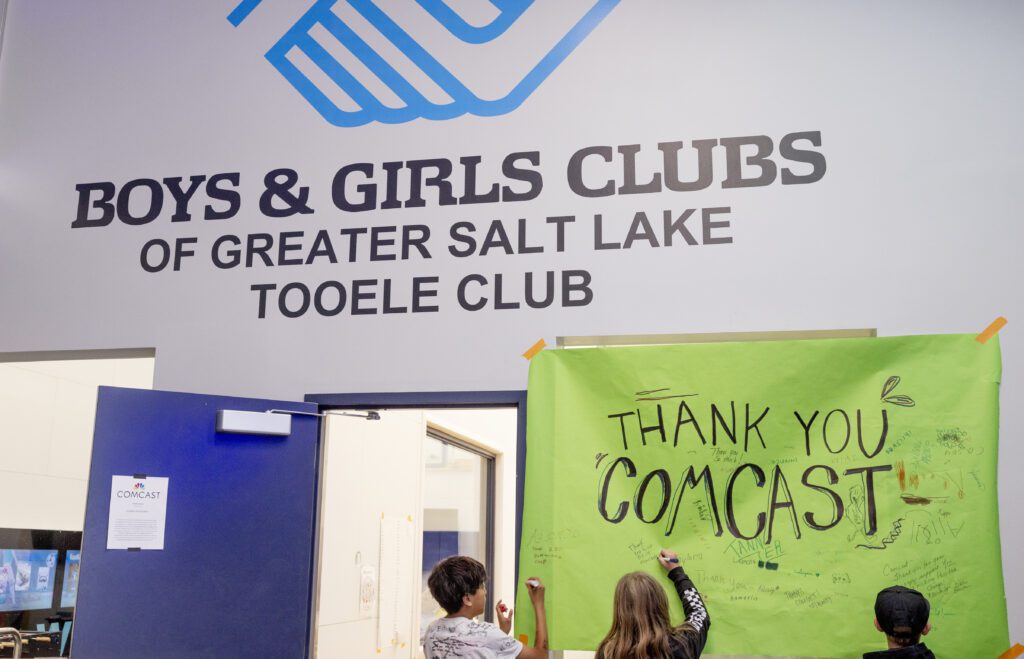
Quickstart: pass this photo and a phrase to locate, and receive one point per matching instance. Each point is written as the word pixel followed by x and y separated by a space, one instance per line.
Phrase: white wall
pixel 47 410
pixel 443 488
pixel 357 495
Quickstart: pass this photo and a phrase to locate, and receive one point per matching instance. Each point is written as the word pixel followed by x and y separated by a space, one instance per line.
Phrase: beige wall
pixel 47 409
pixel 375 468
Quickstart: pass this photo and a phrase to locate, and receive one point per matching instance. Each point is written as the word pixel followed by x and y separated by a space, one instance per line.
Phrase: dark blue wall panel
pixel 437 546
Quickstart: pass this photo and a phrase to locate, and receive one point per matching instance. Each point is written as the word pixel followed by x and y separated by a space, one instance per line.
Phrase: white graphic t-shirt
pixel 462 638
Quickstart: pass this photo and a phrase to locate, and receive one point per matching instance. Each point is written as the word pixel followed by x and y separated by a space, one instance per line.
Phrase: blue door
pixel 235 577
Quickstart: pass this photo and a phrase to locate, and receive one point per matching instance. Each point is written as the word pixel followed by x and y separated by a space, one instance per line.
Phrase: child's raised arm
pixel 540 644
pixel 697 619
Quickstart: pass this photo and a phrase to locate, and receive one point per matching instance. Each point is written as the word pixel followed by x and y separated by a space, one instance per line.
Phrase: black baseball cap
pixel 901 611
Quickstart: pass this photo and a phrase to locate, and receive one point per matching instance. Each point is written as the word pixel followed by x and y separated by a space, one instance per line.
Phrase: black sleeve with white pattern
pixel 694 633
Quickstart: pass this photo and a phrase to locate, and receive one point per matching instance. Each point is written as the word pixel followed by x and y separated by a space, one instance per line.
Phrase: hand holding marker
pixel 668 559
pixel 535 588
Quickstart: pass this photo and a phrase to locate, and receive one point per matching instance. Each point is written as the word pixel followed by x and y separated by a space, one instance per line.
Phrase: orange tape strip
pixel 524 639
pixel 991 330
pixel 1013 652
pixel 534 349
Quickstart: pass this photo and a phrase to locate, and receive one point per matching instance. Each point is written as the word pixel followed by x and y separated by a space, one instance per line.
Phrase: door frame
pixel 415 400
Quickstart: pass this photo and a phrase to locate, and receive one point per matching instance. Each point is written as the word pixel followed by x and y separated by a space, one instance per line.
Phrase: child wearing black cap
pixel 902 614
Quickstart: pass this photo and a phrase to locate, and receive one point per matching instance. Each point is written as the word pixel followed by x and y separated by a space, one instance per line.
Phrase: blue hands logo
pixel 356 61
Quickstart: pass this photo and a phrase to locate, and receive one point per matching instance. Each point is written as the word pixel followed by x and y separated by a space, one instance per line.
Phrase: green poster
pixel 796 479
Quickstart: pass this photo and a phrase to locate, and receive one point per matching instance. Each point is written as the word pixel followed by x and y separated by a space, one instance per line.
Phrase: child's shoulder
pixel 460 627
pixel 466 632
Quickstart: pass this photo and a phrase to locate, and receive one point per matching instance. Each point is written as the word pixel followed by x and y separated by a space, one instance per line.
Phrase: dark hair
pixel 453 578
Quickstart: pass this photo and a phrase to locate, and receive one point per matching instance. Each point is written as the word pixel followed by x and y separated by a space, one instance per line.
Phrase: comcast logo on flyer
pixel 392 61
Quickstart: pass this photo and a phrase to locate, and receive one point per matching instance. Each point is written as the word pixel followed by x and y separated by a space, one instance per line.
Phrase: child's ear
pixel 927 628
pixel 467 600
pixel 877 626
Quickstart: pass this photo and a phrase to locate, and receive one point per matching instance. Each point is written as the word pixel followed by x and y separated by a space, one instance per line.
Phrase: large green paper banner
pixel 796 479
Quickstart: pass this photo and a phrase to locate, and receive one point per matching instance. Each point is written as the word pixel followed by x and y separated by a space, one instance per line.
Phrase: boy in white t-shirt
pixel 459 585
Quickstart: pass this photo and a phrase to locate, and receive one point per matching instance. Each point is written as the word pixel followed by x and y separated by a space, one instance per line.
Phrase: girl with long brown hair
pixel 640 624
